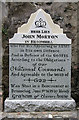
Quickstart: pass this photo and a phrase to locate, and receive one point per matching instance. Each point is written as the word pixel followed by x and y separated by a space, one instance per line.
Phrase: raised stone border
pixel 39 105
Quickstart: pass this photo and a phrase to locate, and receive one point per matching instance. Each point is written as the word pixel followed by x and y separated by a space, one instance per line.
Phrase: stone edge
pixel 39 105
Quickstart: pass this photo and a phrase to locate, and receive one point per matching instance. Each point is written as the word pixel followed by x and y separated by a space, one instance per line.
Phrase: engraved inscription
pixel 39 71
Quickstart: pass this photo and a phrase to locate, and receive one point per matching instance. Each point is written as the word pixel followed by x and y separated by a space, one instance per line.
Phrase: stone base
pixel 39 105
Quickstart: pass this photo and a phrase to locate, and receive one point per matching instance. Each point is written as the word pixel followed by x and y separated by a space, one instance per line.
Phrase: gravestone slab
pixel 39 67
pixel 39 71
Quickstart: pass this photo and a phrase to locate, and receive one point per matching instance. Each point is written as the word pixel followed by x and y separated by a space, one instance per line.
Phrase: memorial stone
pixel 39 67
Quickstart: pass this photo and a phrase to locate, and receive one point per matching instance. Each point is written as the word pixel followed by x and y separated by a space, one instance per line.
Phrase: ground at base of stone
pixel 66 115
pixel 38 118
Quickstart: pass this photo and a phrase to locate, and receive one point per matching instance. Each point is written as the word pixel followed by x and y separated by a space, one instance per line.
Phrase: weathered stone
pixel 37 115
pixel 51 82
pixel 35 97
pixel 39 105
pixel 66 10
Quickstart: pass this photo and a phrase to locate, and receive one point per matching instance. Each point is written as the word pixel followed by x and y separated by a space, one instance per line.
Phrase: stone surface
pixel 25 115
pixel 1 101
pixel 47 79
pixel 58 118
pixel 40 1
pixel 40 60
pixel 39 105
pixel 78 113
pixel 64 14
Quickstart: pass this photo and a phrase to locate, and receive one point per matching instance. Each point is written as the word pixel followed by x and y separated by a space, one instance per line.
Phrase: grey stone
pixel 37 115
pixel 39 105
pixel 66 10
pixel 78 113
pixel 54 87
